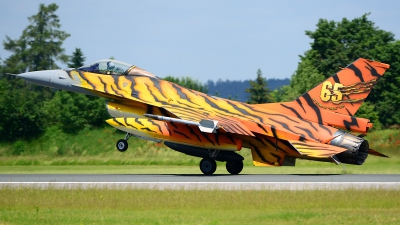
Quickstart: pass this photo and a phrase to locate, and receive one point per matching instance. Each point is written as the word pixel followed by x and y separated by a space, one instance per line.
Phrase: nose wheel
pixel 122 144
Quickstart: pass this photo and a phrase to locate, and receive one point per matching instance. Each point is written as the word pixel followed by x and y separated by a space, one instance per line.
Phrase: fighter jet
pixel 319 125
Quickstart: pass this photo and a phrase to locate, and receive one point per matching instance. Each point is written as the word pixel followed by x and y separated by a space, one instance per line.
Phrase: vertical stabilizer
pixel 345 91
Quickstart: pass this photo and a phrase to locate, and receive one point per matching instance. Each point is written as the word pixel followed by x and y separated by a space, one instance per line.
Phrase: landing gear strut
pixel 122 144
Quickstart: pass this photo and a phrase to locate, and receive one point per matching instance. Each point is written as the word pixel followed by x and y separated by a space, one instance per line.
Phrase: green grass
pixel 136 206
pixel 94 150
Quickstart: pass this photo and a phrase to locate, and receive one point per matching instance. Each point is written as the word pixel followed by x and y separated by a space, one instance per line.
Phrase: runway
pixel 202 182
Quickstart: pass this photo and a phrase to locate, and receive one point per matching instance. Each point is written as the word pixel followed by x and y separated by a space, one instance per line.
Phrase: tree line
pixel 26 110
pixel 236 89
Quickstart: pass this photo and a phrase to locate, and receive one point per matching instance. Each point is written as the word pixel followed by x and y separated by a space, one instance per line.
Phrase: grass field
pixel 103 206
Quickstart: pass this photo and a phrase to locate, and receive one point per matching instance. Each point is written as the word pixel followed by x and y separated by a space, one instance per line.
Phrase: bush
pixel 18 148
pixel 73 112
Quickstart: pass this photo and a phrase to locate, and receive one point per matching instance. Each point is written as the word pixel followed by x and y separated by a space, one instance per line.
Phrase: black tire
pixel 122 145
pixel 208 166
pixel 234 167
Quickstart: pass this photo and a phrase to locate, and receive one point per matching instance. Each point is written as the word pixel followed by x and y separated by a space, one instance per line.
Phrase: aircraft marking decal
pixel 334 93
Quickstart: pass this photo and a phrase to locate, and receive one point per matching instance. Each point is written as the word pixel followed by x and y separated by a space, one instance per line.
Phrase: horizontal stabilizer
pixel 376 153
pixel 317 150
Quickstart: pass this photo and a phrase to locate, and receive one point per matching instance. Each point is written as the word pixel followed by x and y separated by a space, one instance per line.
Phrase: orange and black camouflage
pixel 310 127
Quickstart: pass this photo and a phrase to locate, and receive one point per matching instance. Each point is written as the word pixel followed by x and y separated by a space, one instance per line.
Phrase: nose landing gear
pixel 122 144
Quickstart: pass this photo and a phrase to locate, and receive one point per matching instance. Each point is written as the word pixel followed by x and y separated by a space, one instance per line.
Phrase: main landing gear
pixel 234 167
pixel 208 165
pixel 122 144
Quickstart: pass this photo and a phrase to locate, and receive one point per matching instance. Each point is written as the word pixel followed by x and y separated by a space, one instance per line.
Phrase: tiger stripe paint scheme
pixel 332 106
pixel 306 128
pixel 303 120
pixel 175 132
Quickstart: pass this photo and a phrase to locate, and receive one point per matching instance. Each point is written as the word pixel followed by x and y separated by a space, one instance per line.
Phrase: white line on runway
pixel 207 185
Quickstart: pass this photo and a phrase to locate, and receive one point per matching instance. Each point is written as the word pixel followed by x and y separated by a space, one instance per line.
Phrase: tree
pixel 337 44
pixel 40 44
pixel 74 111
pixel 259 92
pixel 188 83
pixel 235 98
pixel 38 48
pixel 367 110
pixel 77 60
pixel 386 94
pixel 20 115
pixel 304 79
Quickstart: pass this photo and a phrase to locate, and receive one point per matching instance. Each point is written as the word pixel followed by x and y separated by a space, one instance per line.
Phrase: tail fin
pixel 345 91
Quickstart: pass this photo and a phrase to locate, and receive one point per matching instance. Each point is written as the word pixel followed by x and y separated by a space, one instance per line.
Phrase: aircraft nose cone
pixel 44 77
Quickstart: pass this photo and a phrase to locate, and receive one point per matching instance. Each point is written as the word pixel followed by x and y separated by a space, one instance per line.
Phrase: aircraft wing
pixel 181 106
pixel 231 125
pixel 184 112
pixel 226 123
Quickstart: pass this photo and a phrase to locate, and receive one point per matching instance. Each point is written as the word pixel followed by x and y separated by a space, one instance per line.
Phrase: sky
pixel 206 40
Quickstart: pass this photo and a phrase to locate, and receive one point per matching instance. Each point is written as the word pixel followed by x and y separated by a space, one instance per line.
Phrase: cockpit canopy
pixel 114 67
pixel 107 66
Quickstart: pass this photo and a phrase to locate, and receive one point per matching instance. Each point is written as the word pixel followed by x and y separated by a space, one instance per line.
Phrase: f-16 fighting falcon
pixel 319 125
